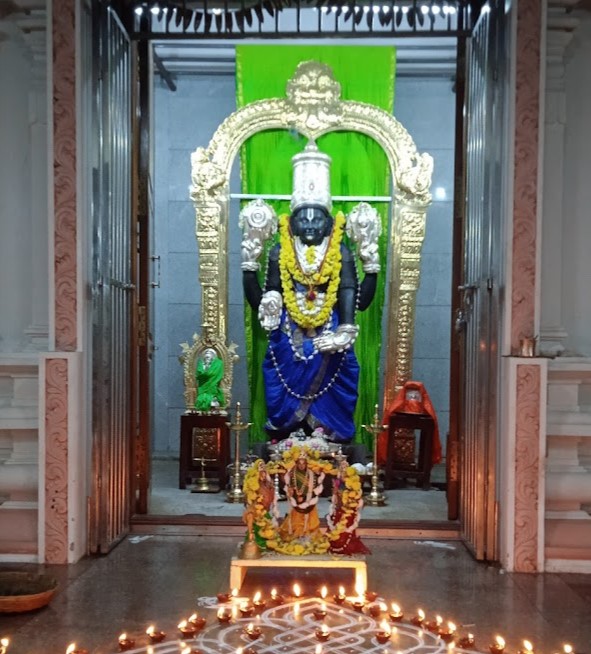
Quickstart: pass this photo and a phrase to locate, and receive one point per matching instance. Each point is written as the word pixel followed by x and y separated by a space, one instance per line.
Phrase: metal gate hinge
pixel 489 284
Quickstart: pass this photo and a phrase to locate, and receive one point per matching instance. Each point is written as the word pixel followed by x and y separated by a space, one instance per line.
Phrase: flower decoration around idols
pixel 266 521
pixel 311 309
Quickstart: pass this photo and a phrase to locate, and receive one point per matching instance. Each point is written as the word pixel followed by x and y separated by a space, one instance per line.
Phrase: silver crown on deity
pixel 311 178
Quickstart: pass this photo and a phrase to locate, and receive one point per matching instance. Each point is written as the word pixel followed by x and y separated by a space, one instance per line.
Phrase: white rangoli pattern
pixel 287 630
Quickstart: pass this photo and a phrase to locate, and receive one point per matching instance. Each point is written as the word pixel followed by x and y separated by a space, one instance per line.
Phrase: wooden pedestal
pixel 421 471
pixel 239 567
pixel 204 437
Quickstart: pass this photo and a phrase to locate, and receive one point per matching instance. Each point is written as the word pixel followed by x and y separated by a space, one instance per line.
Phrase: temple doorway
pixel 178 108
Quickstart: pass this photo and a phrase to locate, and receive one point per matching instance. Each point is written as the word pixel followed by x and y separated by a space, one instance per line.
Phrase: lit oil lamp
pixel 319 612
pixel 340 597
pixel 224 597
pixel 358 603
pixel 566 648
pixel 297 591
pixel 252 631
pixel 396 613
pixel 322 633
pixel 125 643
pixel 187 629
pixel 498 647
pixel 323 592
pixel 258 602
pixel 384 632
pixel 246 609
pixel 447 634
pixel 370 595
pixel 528 648
pixel 72 649
pixel 467 642
pixel 155 636
pixel 275 597
pixel 197 621
pixel 419 618
pixel 434 626
pixel 4 643
pixel 187 649
pixel 224 615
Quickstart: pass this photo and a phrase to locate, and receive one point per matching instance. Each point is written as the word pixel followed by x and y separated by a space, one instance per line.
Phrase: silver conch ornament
pixel 258 221
pixel 364 227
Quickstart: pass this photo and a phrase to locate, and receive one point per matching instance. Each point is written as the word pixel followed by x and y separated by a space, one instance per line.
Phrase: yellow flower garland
pixel 268 530
pixel 329 271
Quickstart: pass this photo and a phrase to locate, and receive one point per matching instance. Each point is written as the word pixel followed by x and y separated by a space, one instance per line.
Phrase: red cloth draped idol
pixel 403 404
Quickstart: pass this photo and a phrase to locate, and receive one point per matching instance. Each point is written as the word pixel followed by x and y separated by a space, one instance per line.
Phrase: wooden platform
pixel 239 567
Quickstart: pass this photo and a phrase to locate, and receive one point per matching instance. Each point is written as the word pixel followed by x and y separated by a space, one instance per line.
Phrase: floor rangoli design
pixel 290 629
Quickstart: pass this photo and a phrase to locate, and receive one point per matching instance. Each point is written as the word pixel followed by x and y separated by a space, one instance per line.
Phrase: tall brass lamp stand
pixel 375 498
pixel 236 495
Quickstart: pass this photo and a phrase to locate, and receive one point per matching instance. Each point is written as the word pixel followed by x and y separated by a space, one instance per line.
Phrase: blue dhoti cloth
pixel 319 389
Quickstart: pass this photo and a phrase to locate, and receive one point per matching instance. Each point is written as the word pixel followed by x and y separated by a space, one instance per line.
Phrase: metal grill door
pixel 113 288
pixel 481 282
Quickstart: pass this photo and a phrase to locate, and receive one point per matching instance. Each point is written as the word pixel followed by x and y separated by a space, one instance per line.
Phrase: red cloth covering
pixel 347 543
pixel 401 405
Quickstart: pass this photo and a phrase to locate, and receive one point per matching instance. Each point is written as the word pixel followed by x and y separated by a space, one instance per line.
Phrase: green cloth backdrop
pixel 359 167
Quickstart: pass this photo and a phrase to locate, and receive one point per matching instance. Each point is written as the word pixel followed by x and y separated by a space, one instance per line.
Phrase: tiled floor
pixel 158 579
pixel 408 503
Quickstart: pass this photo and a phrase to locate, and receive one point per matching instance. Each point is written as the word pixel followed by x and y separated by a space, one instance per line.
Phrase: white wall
pixel 576 218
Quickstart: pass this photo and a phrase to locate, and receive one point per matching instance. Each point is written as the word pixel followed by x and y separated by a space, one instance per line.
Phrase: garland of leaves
pixel 267 524
pixel 329 271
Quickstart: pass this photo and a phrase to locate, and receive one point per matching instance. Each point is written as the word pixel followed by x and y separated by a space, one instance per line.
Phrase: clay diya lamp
pixel 276 599
pixel 383 633
pixel 447 634
pixel 396 614
pixel 528 648
pixel 125 643
pixel 246 609
pixel 434 626
pixel 370 596
pixel 319 612
pixel 223 598
pixel 466 642
pixel 224 615
pixel 358 603
pixel 498 647
pixel 418 619
pixel 258 603
pixel 72 649
pixel 197 621
pixel 253 632
pixel 376 609
pixel 322 633
pixel 340 597
pixel 155 636
pixel 187 629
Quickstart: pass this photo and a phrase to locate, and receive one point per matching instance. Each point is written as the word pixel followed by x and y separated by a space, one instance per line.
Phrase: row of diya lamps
pixel 364 601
